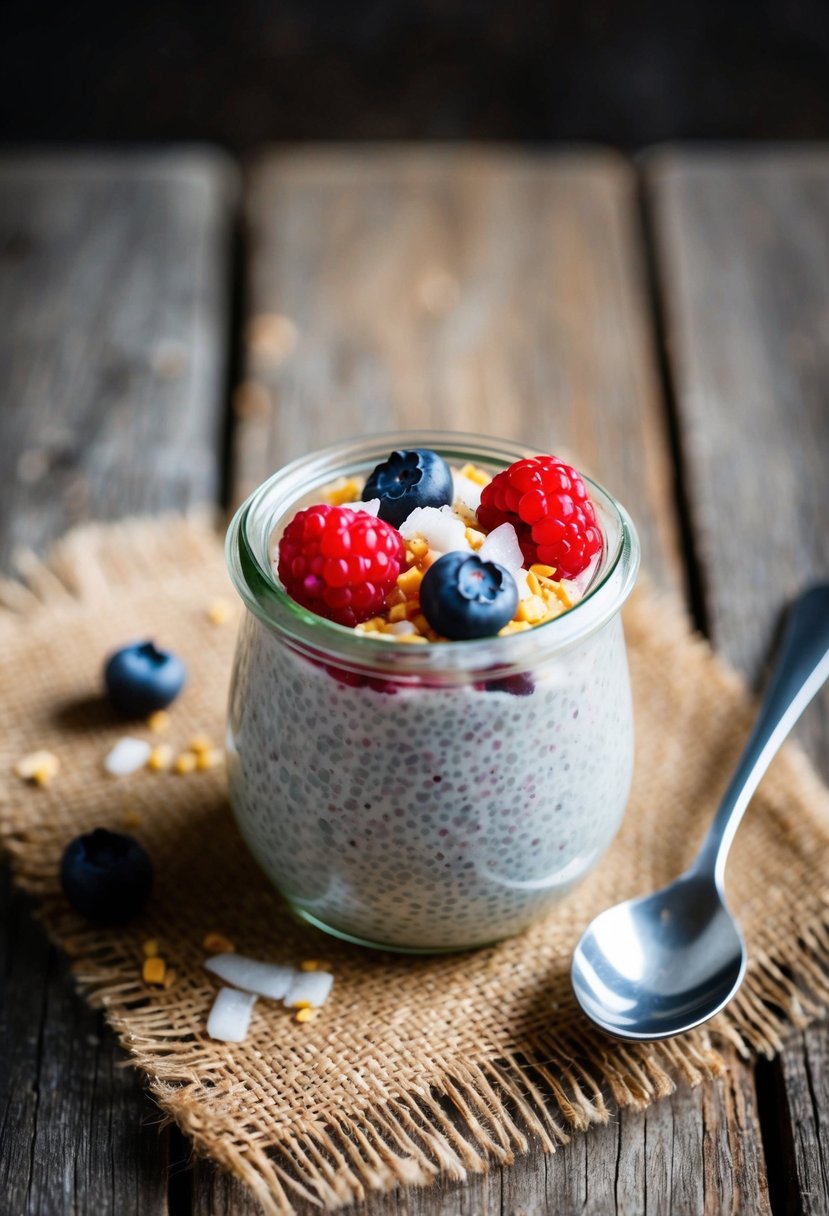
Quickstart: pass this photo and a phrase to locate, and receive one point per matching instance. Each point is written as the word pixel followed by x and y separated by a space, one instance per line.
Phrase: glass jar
pixel 432 797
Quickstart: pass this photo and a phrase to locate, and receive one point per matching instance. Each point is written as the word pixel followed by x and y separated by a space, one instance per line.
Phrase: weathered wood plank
pixel 112 367
pixel 743 242
pixel 114 294
pixel 500 293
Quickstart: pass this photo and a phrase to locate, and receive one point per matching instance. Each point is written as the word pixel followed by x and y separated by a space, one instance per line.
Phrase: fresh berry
pixel 416 478
pixel 106 876
pixel 462 596
pixel 519 685
pixel 142 678
pixel 340 563
pixel 546 502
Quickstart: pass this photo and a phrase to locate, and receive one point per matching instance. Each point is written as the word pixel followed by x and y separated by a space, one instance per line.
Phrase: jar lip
pixel 246 551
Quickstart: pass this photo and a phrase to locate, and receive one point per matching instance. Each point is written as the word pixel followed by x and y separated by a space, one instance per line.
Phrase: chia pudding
pixel 435 796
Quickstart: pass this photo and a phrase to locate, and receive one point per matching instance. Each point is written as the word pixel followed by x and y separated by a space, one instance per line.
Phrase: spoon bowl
pixel 656 966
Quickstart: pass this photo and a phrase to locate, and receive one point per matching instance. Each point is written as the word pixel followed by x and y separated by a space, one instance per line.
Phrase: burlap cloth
pixel 417 1066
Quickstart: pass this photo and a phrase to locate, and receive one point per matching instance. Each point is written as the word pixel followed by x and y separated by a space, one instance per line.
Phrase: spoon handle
pixel 801 669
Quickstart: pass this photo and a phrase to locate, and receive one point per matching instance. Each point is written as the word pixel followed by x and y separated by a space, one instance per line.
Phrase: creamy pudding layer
pixel 429 818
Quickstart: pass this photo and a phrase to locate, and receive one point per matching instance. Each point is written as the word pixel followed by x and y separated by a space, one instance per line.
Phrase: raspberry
pixel 546 502
pixel 340 563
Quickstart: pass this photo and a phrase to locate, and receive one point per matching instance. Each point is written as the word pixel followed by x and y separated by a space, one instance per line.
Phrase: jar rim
pixel 248 563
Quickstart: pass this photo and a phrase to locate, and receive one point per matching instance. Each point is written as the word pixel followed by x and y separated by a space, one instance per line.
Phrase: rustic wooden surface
pixel 743 247
pixel 113 352
pixel 511 294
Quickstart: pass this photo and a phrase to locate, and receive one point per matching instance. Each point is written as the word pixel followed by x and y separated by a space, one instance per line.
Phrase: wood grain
pixel 114 293
pixel 502 293
pixel 743 242
pixel 114 297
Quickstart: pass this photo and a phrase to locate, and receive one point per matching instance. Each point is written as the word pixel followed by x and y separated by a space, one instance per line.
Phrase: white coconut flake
pixel 229 1019
pixel 468 491
pixel 310 986
pixel 402 628
pixel 502 546
pixel 265 979
pixel 521 583
pixel 440 527
pixel 372 507
pixel 128 756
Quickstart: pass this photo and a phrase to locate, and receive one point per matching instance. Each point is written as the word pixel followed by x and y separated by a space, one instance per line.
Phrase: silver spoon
pixel 662 964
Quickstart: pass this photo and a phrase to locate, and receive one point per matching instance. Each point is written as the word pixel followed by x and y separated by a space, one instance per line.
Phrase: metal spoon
pixel 657 966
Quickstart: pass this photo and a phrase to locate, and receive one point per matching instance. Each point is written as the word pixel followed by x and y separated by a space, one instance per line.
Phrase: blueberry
pixel 106 876
pixel 464 597
pixel 416 478
pixel 141 678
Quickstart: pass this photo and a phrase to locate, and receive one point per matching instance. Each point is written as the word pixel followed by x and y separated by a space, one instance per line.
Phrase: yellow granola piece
pixel 154 970
pixel 344 489
pixel 40 767
pixel 185 763
pixel 305 1015
pixel 417 547
pixel 397 613
pixel 409 581
pixel 217 943
pixel 542 571
pixel 513 627
pixel 475 538
pixel 475 474
pixel 159 721
pixel 531 609
pixel 161 757
pixel 213 758
pixel 219 611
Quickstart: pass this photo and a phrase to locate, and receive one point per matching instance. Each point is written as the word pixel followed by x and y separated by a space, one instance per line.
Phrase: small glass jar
pixel 432 797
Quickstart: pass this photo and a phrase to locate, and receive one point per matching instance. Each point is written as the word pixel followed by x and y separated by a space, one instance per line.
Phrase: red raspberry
pixel 546 502
pixel 340 563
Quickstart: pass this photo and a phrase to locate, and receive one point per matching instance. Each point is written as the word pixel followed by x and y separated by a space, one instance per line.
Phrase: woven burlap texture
pixel 417 1067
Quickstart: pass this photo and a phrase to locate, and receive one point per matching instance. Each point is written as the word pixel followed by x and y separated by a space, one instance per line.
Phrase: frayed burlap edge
pixel 470 1114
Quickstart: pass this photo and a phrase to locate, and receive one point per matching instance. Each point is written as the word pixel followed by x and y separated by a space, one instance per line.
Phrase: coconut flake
pixel 468 491
pixel 440 527
pixel 310 986
pixel 521 583
pixel 401 628
pixel 372 507
pixel 229 1018
pixel 265 979
pixel 502 546
pixel 128 756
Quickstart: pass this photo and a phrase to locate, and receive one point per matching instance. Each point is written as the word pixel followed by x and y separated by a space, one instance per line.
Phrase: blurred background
pixel 244 72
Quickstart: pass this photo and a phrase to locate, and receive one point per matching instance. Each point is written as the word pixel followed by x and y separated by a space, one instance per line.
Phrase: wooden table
pixel 667 320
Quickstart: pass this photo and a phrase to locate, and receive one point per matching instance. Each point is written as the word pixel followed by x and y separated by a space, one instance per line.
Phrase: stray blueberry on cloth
pixel 142 678
pixel 464 597
pixel 106 876
pixel 415 478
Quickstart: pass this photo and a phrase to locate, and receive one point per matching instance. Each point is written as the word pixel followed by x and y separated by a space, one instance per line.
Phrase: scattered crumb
pixel 154 970
pixel 39 767
pixel 310 964
pixel 185 763
pixel 305 1014
pixel 213 758
pixel 150 948
pixel 217 943
pixel 160 758
pixel 131 819
pixel 220 611
pixel 159 721
pixel 170 977
pixel 200 744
